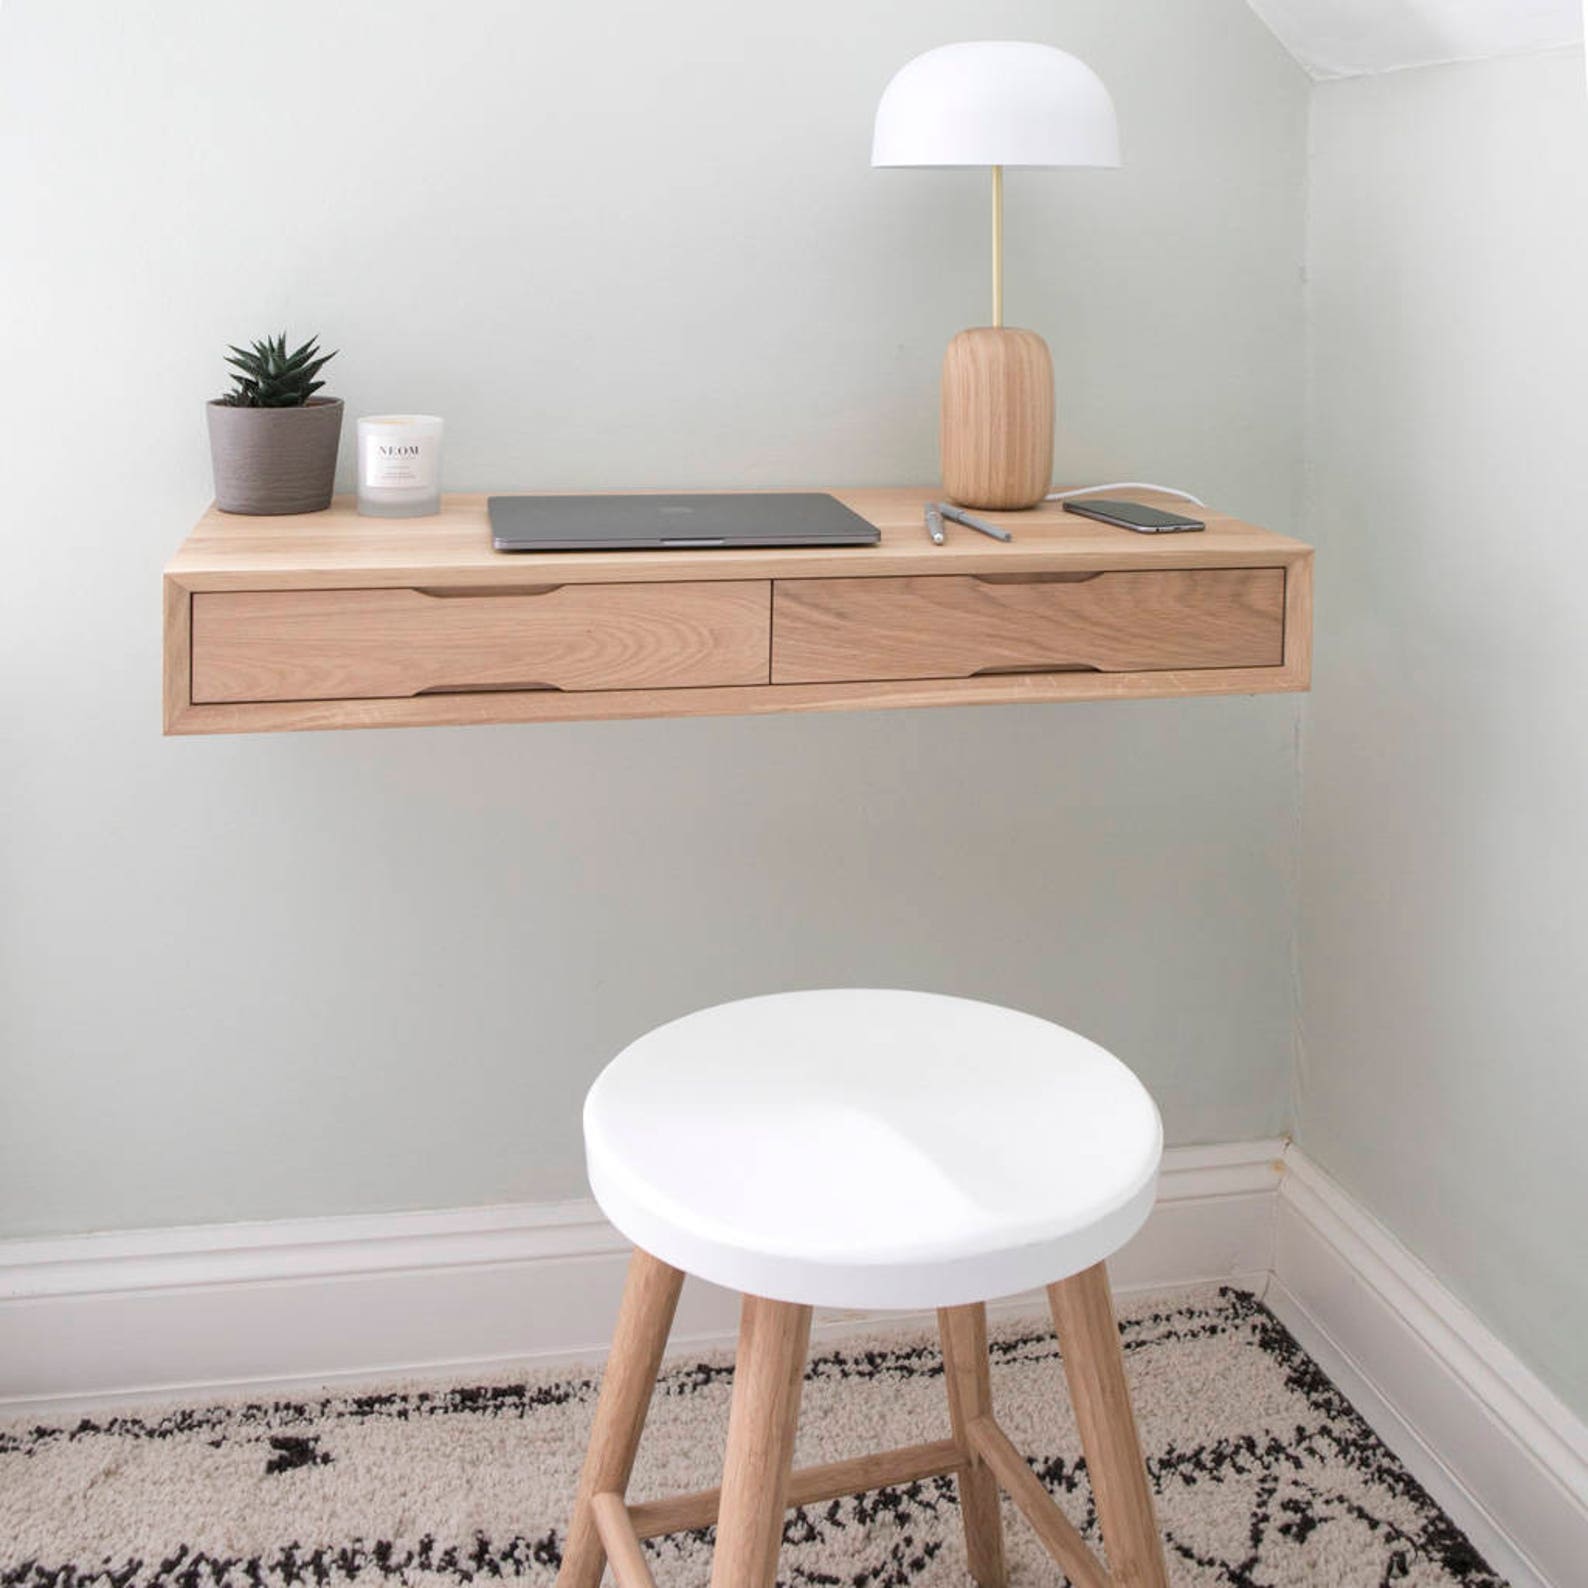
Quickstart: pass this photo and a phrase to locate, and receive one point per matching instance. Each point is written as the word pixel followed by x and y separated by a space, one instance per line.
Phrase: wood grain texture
pixel 1298 621
pixel 620 1541
pixel 426 711
pixel 339 551
pixel 996 430
pixel 1058 1534
pixel 809 1486
pixel 176 683
pixel 768 1371
pixel 956 626
pixel 1094 1366
pixel 645 1316
pixel 966 1372
pixel 363 644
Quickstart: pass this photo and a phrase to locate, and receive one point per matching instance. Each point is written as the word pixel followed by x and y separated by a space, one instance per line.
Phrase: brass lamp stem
pixel 998 244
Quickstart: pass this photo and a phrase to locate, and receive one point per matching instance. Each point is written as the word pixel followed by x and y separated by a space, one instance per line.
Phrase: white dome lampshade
pixel 996 104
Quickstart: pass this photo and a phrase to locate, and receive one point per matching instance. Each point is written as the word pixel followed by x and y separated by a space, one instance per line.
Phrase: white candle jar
pixel 399 465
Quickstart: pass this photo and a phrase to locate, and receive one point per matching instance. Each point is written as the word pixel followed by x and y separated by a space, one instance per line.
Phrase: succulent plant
pixel 268 376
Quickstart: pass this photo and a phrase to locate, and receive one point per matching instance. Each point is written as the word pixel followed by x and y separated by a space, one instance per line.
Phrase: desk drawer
pixel 958 625
pixel 375 644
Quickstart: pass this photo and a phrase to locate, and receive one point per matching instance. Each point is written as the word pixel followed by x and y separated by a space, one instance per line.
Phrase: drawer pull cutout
pixel 1014 670
pixel 488 689
pixel 452 593
pixel 1035 578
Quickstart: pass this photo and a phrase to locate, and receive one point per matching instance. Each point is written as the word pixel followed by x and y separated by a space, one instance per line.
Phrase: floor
pixel 1266 1477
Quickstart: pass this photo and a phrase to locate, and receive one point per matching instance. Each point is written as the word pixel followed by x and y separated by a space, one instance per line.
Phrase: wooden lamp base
pixel 997 431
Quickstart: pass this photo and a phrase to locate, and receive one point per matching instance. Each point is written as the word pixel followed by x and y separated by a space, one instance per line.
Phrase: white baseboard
pixel 95 1319
pixel 1498 1450
pixel 88 1321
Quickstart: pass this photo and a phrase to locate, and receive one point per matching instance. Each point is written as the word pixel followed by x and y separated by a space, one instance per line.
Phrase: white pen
pixel 934 523
pixel 964 518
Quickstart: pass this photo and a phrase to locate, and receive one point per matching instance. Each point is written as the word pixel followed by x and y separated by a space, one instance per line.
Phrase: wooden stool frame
pixel 760 1484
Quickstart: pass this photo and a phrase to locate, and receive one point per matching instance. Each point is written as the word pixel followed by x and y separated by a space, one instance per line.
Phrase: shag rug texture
pixel 1265 1475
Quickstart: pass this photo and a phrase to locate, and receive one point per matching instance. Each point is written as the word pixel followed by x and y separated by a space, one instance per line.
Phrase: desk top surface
pixel 341 549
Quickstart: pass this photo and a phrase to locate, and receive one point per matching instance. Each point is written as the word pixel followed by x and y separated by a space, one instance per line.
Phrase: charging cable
pixel 1124 485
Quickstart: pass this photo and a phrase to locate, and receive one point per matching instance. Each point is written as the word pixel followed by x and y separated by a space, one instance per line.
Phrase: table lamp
pixel 996 104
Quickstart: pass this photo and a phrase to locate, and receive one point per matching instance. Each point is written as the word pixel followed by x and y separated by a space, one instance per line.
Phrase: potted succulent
pixel 272 441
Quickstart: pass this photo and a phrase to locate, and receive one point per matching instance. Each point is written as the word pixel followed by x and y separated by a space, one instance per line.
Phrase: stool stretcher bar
pixel 1024 1487
pixel 808 1486
pixel 622 1526
pixel 620 1541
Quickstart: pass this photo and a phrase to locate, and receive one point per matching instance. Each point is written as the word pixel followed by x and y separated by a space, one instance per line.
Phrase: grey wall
pixel 1446 764
pixel 613 244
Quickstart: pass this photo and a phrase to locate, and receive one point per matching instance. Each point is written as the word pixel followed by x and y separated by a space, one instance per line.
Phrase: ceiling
pixel 1346 38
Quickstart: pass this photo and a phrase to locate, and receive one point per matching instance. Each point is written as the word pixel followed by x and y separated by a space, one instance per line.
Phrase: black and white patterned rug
pixel 1265 1475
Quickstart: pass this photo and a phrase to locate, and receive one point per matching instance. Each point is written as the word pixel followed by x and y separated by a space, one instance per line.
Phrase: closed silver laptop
pixel 684 521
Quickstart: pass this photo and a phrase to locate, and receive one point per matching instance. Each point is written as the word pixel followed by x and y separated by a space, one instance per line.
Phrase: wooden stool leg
pixel 968 1375
pixel 650 1297
pixel 1083 1317
pixel 773 1339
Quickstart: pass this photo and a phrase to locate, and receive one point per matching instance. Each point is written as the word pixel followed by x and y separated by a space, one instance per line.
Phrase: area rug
pixel 1265 1475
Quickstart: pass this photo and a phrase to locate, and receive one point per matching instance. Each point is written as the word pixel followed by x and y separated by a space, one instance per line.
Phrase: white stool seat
pixel 860 1148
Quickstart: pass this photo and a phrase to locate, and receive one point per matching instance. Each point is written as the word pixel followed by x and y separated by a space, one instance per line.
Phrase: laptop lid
pixel 684 521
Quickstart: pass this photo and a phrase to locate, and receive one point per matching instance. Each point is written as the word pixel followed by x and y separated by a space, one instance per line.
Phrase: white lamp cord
pixel 1124 485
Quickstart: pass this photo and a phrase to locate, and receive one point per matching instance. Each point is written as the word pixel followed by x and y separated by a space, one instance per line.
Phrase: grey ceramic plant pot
pixel 275 460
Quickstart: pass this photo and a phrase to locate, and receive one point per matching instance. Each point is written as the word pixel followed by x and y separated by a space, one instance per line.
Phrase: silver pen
pixel 964 518
pixel 934 523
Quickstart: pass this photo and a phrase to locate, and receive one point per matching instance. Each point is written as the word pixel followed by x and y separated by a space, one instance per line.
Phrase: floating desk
pixel 330 620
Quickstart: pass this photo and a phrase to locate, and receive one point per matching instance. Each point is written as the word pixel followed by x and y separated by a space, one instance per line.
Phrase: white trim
pixel 87 1321
pixel 1505 1457
pixel 92 1319
pixel 229 1254
pixel 1331 39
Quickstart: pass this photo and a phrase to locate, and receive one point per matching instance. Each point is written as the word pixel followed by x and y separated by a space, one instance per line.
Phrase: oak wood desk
pixel 330 620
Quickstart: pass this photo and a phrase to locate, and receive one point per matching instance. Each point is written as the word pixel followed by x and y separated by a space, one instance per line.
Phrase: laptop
pixel 687 522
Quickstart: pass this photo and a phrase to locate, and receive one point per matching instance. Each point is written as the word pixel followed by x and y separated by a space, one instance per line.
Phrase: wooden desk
pixel 330 620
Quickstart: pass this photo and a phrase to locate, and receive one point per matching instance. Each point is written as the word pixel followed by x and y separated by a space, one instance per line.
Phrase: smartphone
pixel 1132 515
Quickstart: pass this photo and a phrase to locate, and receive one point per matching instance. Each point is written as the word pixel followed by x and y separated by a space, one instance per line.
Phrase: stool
pixel 875 1150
